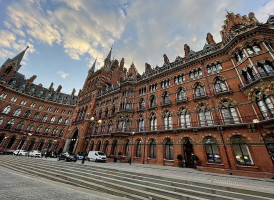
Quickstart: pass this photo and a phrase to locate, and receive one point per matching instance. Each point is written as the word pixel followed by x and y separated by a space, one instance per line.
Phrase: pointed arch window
pixel 205 117
pixel 153 122
pixel 166 98
pixel 127 146
pixel 152 149
pixel 153 102
pixel 26 114
pixel 110 126
pixel 182 95
pixel 142 104
pixel 248 75
pixel 20 126
pixel 9 124
pixel 139 149
pixel 185 118
pixel 126 125
pixel 141 123
pixel 39 128
pixel 55 130
pixel 212 151
pixel 257 48
pixel 17 112
pixel 45 117
pixel 60 120
pixel 265 105
pixel 36 116
pixel 47 130
pixel 169 155
pixel 199 91
pixel 241 151
pixel 229 113
pixel 114 148
pixel 167 120
pixel 120 124
pixel 30 127
pixel 61 132
pixel 52 119
pixel 1 120
pixel 106 147
pixel 220 86
pixel 6 110
pixel 103 128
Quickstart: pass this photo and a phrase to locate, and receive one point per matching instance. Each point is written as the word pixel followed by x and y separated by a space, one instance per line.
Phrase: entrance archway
pixel 188 151
pixel 32 142
pixel 22 142
pixel 2 138
pixel 73 142
pixel 41 145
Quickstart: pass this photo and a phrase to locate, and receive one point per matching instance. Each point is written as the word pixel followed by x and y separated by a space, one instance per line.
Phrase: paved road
pixel 15 186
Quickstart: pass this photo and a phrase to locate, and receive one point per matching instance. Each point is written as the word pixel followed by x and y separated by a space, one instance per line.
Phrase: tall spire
pixel 109 54
pixel 92 69
pixel 17 58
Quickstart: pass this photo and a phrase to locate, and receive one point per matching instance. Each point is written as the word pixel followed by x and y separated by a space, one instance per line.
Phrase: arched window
pixel 106 147
pixel 91 146
pixel 17 112
pixel 11 142
pixel 30 127
pixel 20 126
pixel 257 48
pixel 168 120
pixel 249 75
pixel 241 151
pixel 182 95
pixel 120 124
pixel 166 98
pixel 127 148
pixel 250 50
pixel 1 120
pixel 185 118
pixel 153 122
pixel 110 127
pixel 153 102
pixel 61 132
pixel 9 124
pixel 36 116
pixel 139 149
pixel 47 130
pixel 39 128
pixel 220 86
pixel 169 150
pixel 55 130
pixel 265 105
pixel 142 104
pixel 6 109
pixel 126 124
pixel 98 145
pixel 269 67
pixel 106 113
pixel 66 120
pixel 114 148
pixel 141 123
pixel 60 120
pixel 199 91
pixel 152 149
pixel 212 150
pixel 45 117
pixel 52 119
pixel 205 117
pixel 229 113
pixel 26 114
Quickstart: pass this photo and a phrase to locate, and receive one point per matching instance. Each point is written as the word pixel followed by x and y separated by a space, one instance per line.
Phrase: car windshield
pixel 101 153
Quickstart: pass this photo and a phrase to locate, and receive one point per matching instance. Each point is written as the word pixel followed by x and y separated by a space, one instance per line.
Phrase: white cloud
pixel 62 74
pixel 264 12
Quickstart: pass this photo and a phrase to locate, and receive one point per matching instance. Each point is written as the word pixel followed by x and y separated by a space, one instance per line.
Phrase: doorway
pixel 188 151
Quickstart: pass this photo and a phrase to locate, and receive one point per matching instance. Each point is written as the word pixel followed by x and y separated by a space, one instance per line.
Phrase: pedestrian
pixel 84 158
pixel 129 161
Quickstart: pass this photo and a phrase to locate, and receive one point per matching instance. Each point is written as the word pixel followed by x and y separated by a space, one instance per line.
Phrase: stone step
pixel 127 178
pixel 239 193
pixel 84 180
pixel 164 185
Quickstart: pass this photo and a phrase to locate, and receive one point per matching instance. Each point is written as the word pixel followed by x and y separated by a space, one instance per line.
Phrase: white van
pixel 97 156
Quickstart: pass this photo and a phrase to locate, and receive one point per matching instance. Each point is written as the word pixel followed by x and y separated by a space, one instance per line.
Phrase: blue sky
pixel 65 36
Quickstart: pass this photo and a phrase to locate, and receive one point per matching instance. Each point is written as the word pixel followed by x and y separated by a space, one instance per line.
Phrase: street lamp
pixel 256 121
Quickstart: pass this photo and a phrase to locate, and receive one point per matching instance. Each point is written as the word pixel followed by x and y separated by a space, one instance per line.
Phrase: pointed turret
pixel 92 69
pixel 17 59
pixel 108 59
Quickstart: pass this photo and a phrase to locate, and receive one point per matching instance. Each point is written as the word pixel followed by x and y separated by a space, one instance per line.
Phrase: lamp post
pixel 85 154
pixel 256 121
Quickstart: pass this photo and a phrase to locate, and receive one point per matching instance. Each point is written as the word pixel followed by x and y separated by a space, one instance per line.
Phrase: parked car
pixel 9 152
pixel 97 156
pixel 67 157
pixel 35 153
pixel 20 152
pixel 80 157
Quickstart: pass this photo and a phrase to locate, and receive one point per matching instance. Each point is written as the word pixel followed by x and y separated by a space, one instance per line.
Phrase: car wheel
pixel 66 159
pixel 96 160
pixel 58 159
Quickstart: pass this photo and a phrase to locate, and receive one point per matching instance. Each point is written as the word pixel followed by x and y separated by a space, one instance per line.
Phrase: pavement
pixel 16 186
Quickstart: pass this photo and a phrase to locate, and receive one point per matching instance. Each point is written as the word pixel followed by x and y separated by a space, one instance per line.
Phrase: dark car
pixel 67 157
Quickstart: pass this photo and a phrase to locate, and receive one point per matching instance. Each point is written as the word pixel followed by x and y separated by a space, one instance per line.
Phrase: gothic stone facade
pixel 203 106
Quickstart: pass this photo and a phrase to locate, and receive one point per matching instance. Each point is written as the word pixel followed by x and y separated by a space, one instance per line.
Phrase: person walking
pixel 129 161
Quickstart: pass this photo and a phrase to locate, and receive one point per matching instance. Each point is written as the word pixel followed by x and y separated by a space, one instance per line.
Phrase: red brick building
pixel 203 105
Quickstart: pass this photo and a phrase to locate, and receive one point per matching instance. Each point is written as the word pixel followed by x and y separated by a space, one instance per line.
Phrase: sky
pixel 66 36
